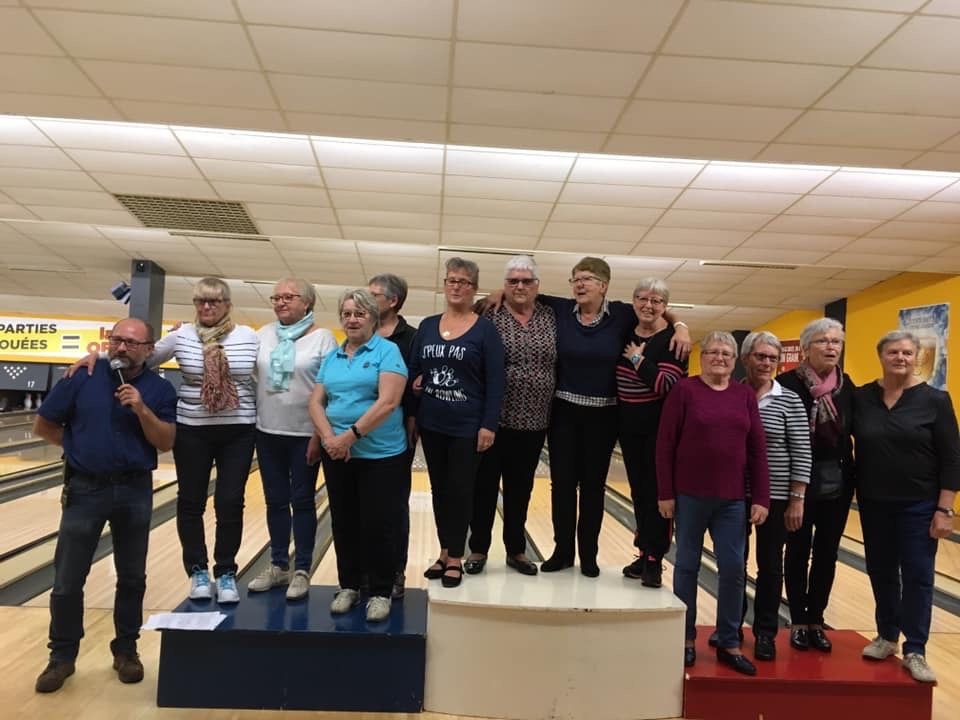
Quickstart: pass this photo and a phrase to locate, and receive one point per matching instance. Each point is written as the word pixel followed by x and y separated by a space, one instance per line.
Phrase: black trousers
pixel 771 537
pixel 639 457
pixel 809 580
pixel 401 540
pixel 197 448
pixel 513 456
pixel 581 440
pixel 452 464
pixel 365 498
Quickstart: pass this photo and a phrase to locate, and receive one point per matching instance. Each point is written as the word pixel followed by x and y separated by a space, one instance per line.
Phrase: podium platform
pixel 803 685
pixel 505 645
pixel 273 654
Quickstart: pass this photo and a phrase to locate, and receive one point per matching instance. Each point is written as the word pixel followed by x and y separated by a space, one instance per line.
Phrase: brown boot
pixel 129 668
pixel 53 676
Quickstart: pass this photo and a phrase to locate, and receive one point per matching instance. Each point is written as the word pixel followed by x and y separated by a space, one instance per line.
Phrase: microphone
pixel 119 364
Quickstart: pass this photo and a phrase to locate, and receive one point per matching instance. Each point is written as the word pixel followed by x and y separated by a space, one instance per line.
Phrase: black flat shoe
pixel 689 656
pixel 524 567
pixel 819 641
pixel 635 569
pixel 475 567
pixel 652 573
pixel 764 648
pixel 740 663
pixel 799 639
pixel 555 563
pixel 435 571
pixel 589 568
pixel 451 581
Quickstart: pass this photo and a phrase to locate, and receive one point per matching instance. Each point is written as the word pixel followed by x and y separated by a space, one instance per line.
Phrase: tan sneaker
pixel 879 649
pixel 916 665
pixel 299 586
pixel 53 676
pixel 271 577
pixel 344 601
pixel 378 609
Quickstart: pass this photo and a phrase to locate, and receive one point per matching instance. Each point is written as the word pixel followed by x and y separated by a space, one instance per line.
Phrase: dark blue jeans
pixel 289 484
pixel 900 558
pixel 725 519
pixel 127 505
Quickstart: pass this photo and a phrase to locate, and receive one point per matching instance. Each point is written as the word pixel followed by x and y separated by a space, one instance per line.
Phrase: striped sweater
pixel 787 429
pixel 641 390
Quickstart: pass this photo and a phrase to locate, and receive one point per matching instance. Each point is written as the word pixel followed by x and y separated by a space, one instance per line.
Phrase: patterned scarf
pixel 218 392
pixel 824 417
pixel 284 355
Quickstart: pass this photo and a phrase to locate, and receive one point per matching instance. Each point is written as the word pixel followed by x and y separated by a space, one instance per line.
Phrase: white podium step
pixel 556 645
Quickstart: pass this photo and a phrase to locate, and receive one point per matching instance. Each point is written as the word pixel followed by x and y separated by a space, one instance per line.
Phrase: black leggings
pixel 639 458
pixel 452 464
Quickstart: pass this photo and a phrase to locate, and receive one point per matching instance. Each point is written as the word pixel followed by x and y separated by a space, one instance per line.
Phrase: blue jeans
pixel 726 520
pixel 289 484
pixel 900 558
pixel 127 505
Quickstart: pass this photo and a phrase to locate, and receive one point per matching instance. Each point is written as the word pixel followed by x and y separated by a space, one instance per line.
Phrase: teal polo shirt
pixel 352 385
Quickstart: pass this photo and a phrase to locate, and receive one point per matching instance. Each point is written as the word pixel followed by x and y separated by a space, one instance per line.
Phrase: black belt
pixel 114 477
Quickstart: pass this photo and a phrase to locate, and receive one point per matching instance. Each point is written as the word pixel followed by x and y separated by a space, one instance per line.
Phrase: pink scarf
pixel 824 418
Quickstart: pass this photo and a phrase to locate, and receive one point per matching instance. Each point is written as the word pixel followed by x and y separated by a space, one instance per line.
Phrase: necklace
pixel 445 333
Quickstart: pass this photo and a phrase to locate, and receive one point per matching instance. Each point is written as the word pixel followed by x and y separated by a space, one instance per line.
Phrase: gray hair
pixel 655 285
pixel 467 266
pixel 815 327
pixel 394 287
pixel 521 263
pixel 208 286
pixel 304 289
pixel 896 336
pixel 759 338
pixel 719 336
pixel 364 301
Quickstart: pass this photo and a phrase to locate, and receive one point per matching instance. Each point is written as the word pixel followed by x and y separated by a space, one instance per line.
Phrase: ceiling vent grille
pixel 214 216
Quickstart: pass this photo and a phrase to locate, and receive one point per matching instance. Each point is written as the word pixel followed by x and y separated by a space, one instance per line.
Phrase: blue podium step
pixel 273 654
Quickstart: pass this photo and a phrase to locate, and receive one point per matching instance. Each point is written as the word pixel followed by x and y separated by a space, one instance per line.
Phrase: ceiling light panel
pixel 134 163
pixel 370 156
pixel 630 171
pixel 907 186
pixel 524 166
pixel 260 172
pixel 783 179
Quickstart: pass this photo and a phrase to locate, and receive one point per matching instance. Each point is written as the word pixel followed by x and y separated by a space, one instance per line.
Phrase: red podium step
pixel 804 685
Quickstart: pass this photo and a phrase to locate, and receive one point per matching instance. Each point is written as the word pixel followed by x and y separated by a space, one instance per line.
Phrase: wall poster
pixel 930 323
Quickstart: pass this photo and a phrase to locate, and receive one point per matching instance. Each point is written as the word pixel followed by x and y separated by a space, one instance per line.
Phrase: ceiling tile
pixel 491 225
pixel 938 264
pixel 828 127
pixel 704 120
pixel 15 212
pixel 534 110
pixel 83 215
pixel 735 201
pixel 383 218
pixel 61 106
pixel 20 33
pixel 895 246
pixel 502 188
pixel 497 208
pixel 621 195
pixel 382 181
pixel 696 236
pixel 713 220
pixel 360 97
pixel 200 9
pixel 924 43
pixel 736 81
pixel 291 213
pixel 796 241
pixel 622 143
pixel 832 154
pixel 379 156
pixel 111 136
pixel 252 147
pixel 27 156
pixel 203 115
pixel 419 18
pixel 520 165
pixel 778 32
pixel 251 192
pixel 575 245
pixel 782 178
pixel 149 185
pixel 354 126
pixel 896 91
pixel 64 198
pixel 54 76
pixel 871 260
pixel 951 194
pixel 261 172
pixel 131 163
pixel 620 25
pixel 547 70
pixel 358 200
pixel 821 225
pixel 774 255
pixel 63 179
pixel 150 40
pixel 20 131
pixel 568 212
pixel 492 137
pixel 828 206
pixel 588 232
pixel 942 7
pixel 920 230
pixel 411 235
pixel 302 229
pixel 352 55
pixel 629 171
pixel 949 161
pixel 904 184
pixel 698 252
pixel 933 212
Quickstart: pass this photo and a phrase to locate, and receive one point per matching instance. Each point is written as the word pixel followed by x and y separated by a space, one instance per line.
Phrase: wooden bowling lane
pixel 20 417
pixel 28 458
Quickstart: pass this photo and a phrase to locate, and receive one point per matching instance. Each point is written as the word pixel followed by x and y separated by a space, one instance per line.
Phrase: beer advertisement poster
pixel 790 357
pixel 930 323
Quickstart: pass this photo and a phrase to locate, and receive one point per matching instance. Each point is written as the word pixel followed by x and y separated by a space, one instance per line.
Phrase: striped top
pixel 641 390
pixel 184 345
pixel 788 439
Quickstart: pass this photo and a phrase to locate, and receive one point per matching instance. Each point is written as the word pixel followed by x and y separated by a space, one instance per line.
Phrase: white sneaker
pixel 344 601
pixel 880 649
pixel 227 589
pixel 271 577
pixel 378 609
pixel 299 586
pixel 916 665
pixel 200 585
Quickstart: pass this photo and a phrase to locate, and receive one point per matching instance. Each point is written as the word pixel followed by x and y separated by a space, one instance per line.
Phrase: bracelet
pixel 356 432
pixel 681 323
pixel 797 495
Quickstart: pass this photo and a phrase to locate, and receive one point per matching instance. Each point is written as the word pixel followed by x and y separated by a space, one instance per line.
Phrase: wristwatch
pixel 356 432
pixel 636 358
pixel 949 512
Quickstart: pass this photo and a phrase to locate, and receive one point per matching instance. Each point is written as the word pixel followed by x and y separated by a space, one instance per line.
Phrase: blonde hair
pixel 212 287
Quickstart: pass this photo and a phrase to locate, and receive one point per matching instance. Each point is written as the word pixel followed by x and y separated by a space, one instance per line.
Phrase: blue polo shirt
pixel 352 386
pixel 101 436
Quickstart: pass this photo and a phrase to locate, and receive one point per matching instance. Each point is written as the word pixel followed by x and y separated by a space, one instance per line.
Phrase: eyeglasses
pixel 358 314
pixel 764 357
pixel 584 279
pixel 286 298
pixel 654 301
pixel 378 294
pixel 117 341
pixel 526 282
pixel 824 342
pixel 212 302
pixel 725 354
pixel 457 282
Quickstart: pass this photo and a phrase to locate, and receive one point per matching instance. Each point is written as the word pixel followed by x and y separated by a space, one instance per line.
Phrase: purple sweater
pixel 710 441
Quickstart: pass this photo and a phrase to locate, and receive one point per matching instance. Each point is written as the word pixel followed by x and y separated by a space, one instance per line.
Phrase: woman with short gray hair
pixel 810 561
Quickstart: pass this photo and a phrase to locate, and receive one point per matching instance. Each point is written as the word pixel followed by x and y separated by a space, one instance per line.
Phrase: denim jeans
pixel 289 484
pixel 127 505
pixel 725 519
pixel 900 557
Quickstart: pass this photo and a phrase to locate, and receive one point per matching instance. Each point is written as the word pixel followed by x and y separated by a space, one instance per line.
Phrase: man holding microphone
pixel 110 424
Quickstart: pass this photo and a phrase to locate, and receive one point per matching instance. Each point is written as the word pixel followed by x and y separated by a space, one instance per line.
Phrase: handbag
pixel 826 480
